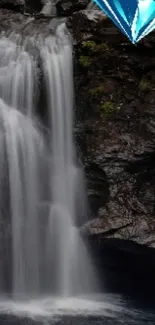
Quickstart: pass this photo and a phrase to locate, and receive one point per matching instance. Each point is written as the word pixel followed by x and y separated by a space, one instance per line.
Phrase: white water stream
pixel 48 254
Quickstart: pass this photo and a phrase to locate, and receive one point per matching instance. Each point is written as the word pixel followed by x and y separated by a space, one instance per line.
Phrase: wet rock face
pixel 115 99
pixel 29 6
pixel 16 5
pixel 68 7
pixel 10 20
pixel 33 6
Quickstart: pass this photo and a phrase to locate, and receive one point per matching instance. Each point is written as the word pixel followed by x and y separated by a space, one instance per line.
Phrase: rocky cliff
pixel 115 98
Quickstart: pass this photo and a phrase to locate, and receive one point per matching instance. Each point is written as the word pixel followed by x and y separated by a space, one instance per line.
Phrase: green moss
pixel 97 91
pixel 90 45
pixel 93 47
pixel 104 47
pixel 85 61
pixel 144 84
pixel 107 109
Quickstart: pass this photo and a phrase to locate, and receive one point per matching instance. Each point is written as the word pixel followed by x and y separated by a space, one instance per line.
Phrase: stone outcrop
pixel 115 99
pixel 68 7
pixel 34 6
pixel 10 20
pixel 16 5
pixel 22 6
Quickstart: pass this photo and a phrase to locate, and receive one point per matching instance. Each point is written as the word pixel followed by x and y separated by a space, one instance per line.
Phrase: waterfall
pixel 23 149
pixel 73 272
pixel 47 253
pixel 49 7
pixel 17 75
pixel 92 6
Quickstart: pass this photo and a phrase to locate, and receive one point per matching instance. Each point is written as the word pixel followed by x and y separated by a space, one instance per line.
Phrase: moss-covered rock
pixel 145 84
pixel 96 91
pixel 115 100
pixel 85 61
pixel 107 109
pixel 93 47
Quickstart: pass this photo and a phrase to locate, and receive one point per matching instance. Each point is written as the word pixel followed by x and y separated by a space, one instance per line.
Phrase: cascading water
pixel 49 7
pixel 23 147
pixel 17 75
pixel 23 150
pixel 73 271
pixel 48 255
pixel 92 6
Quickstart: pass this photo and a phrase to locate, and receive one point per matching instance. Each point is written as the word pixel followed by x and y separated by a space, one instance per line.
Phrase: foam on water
pixel 58 306
pixel 102 309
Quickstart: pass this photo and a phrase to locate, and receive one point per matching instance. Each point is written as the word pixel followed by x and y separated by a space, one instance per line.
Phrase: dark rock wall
pixel 115 98
pixel 64 7
pixel 16 5
pixel 115 111
pixel 68 7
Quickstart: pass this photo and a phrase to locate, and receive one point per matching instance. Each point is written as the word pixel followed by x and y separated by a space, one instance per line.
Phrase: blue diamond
pixel 135 18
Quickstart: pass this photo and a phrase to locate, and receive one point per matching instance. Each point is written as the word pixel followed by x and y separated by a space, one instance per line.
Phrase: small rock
pixel 67 7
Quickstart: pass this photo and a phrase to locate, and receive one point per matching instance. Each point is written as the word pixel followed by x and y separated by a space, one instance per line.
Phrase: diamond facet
pixel 135 18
